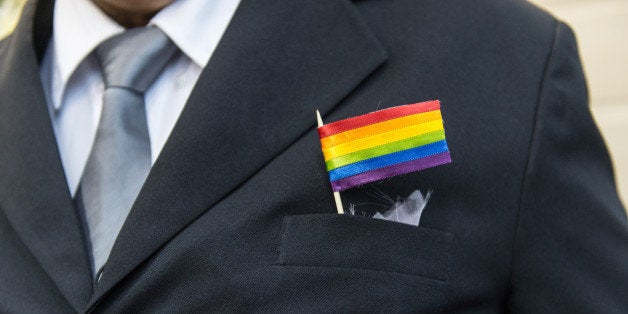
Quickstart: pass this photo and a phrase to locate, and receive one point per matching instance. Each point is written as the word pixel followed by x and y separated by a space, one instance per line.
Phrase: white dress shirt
pixel 73 82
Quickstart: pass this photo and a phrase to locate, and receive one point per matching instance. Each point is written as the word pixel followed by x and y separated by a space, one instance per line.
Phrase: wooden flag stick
pixel 336 194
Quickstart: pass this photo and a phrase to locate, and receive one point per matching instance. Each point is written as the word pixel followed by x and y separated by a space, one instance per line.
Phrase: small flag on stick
pixel 383 144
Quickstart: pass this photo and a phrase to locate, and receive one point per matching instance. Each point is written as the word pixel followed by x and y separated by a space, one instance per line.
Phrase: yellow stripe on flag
pixel 382 138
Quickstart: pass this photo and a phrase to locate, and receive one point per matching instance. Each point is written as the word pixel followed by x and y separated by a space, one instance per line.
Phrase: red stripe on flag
pixel 375 117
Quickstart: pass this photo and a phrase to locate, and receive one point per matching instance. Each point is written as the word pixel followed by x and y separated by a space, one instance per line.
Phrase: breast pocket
pixel 345 241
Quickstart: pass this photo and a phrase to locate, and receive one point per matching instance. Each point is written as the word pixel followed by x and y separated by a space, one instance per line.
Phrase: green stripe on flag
pixel 389 148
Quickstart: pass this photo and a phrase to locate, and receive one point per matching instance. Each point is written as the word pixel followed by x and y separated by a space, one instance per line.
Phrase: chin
pixel 135 6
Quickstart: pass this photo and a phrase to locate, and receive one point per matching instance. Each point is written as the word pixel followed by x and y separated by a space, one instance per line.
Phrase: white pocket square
pixel 407 211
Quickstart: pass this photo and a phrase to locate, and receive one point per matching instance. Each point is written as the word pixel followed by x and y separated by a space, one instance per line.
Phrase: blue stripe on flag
pixel 388 160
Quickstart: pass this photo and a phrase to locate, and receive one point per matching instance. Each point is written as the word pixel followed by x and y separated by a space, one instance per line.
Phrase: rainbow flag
pixel 383 144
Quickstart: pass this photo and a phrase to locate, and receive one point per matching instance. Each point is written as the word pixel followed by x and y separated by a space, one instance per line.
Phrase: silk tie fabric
pixel 120 158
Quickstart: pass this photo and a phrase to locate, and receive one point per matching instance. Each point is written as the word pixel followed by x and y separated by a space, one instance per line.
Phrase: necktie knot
pixel 135 58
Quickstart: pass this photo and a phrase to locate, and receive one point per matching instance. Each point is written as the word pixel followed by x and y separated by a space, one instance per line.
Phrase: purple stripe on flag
pixel 391 171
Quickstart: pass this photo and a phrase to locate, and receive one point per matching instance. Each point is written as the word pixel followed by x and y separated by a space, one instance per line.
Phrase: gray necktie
pixel 120 158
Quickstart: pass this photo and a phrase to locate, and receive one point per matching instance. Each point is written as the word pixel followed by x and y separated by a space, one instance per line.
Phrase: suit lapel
pixel 277 62
pixel 33 190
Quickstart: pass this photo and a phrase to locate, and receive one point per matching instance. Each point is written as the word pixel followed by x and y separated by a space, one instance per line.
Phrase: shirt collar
pixel 80 26
pixel 198 33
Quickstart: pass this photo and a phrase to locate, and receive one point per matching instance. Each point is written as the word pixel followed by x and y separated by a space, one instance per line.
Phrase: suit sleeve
pixel 571 247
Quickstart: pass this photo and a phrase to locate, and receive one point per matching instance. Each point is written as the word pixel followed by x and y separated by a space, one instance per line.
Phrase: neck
pixel 131 14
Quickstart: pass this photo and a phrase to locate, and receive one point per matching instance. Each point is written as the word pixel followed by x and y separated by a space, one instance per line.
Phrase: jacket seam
pixel 533 137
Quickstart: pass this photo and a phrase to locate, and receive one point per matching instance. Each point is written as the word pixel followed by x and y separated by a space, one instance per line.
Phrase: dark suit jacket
pixel 237 213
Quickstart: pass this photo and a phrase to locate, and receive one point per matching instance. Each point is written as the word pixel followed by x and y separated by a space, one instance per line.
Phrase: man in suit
pixel 236 213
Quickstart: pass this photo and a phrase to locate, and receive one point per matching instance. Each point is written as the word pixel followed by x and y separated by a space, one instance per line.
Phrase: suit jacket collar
pixel 277 62
pixel 33 192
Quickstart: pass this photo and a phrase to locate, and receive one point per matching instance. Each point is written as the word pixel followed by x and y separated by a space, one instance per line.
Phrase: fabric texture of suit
pixel 237 213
